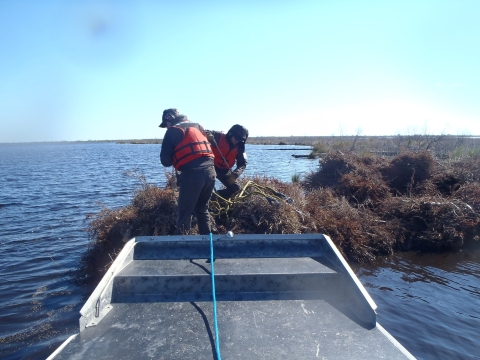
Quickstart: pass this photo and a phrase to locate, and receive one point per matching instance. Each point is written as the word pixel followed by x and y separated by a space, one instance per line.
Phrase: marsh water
pixel 429 302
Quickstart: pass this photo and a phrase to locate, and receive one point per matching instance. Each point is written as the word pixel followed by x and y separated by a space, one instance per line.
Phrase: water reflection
pixel 277 161
pixel 429 302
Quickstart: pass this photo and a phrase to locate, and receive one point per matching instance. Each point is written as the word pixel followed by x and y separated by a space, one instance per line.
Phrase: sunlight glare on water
pixel 429 301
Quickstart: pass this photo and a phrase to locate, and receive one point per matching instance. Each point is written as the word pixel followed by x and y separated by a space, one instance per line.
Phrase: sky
pixel 106 69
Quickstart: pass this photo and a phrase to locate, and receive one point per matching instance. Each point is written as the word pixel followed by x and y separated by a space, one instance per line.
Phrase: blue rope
pixel 217 342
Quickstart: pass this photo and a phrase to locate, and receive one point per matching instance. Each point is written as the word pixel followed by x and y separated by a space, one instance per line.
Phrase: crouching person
pixel 229 150
pixel 186 148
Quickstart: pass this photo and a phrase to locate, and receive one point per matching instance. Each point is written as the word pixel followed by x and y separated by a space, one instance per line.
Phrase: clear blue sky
pixel 81 70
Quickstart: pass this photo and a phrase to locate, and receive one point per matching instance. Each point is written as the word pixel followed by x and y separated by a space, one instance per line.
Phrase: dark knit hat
pixel 240 132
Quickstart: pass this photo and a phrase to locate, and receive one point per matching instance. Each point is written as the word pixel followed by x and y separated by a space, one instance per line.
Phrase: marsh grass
pixel 295 178
pixel 442 146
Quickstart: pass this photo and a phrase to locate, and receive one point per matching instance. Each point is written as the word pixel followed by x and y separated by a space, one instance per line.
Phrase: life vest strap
pixel 193 150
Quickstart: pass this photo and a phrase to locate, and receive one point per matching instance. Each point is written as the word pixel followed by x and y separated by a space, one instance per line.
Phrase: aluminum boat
pixel 276 297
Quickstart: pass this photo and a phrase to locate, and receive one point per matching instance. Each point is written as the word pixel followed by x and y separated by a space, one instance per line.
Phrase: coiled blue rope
pixel 215 324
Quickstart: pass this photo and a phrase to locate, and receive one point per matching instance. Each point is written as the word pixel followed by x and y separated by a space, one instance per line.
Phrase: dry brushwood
pixel 432 223
pixel 332 167
pixel 359 234
pixel 258 212
pixel 355 177
pixel 470 195
pixel 151 212
pixel 369 206
pixel 407 171
pixel 467 169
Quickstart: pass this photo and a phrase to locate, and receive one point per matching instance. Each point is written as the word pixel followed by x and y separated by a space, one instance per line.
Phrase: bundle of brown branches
pixel 414 201
pixel 359 234
pixel 431 223
pixel 151 212
pixel 409 173
pixel 356 177
pixel 258 214
pixel 370 206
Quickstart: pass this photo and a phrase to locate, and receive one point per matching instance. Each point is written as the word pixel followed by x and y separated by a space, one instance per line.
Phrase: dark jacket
pixel 240 159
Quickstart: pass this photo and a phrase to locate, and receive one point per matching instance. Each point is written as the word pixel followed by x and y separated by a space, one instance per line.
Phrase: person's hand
pixel 232 177
pixel 209 136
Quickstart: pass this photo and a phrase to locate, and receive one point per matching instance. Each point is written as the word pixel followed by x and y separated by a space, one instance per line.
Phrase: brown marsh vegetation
pixel 424 198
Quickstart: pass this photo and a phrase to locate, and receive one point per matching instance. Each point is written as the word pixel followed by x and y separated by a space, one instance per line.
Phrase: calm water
pixel 429 303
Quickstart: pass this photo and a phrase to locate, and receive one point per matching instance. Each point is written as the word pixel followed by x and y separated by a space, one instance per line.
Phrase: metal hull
pixel 278 297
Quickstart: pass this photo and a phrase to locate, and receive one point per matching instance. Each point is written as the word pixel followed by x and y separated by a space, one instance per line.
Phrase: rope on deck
pixel 215 323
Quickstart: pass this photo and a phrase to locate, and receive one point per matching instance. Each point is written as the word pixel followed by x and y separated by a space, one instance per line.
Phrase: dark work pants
pixel 196 186
pixel 230 189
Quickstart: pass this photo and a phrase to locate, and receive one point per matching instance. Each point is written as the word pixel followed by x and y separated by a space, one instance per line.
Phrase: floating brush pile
pixel 151 212
pixel 370 206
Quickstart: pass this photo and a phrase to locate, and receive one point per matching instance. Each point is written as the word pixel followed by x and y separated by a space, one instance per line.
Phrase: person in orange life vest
pixel 228 150
pixel 186 148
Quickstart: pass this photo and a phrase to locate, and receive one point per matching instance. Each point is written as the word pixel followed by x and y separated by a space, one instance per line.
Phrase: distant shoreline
pixel 258 140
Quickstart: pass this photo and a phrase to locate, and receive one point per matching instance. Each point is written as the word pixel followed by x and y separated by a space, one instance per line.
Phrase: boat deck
pixel 283 329
pixel 273 302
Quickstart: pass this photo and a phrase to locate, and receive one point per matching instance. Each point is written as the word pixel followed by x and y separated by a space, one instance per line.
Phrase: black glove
pixel 209 136
pixel 232 177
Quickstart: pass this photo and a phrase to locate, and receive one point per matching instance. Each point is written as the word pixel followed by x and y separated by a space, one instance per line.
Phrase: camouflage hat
pixel 169 115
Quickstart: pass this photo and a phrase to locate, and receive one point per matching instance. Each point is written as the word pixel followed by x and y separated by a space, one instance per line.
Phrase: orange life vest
pixel 193 146
pixel 223 150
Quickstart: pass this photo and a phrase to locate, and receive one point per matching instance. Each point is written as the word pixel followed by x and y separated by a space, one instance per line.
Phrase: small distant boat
pixel 277 297
pixel 303 156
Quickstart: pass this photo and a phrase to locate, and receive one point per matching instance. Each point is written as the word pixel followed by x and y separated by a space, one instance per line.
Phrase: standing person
pixel 228 150
pixel 186 148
